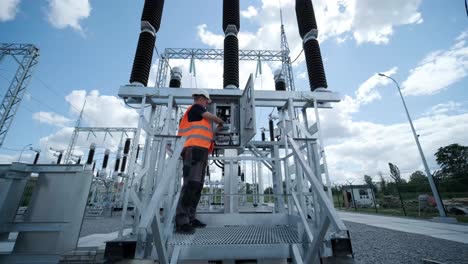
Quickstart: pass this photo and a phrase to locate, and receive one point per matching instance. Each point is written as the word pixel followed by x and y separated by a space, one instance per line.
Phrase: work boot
pixel 197 223
pixel 186 229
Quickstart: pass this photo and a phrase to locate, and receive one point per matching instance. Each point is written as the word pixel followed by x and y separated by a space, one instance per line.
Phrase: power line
pixel 297 56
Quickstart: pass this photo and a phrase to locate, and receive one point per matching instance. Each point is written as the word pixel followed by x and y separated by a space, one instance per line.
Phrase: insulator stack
pixel 263 135
pixel 59 159
pixel 125 152
pixel 317 78
pixel 92 149
pixel 231 62
pixel 138 152
pixel 272 134
pixel 79 160
pixel 117 164
pixel 280 82
pixel 36 158
pixel 231 26
pixel 106 159
pixel 143 57
pixel 231 14
pixel 308 30
pixel 152 13
pixel 305 17
pixel 124 164
pixel 127 147
pixel 176 77
pixel 150 23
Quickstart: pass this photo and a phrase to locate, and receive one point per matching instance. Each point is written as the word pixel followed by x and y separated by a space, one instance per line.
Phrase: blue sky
pixel 89 46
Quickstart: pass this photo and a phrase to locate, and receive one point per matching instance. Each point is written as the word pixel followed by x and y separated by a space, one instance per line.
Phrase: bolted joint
pixel 147 27
pixel 312 34
pixel 231 30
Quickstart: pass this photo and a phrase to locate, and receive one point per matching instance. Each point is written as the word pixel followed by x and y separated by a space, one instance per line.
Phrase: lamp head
pixel 381 74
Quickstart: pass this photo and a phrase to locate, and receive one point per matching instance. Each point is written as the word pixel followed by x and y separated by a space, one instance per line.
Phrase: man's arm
pixel 210 117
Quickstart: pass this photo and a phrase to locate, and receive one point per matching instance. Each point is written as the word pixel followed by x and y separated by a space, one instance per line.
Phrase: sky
pixel 87 48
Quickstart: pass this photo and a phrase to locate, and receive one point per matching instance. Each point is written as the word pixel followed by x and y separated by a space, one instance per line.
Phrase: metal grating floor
pixel 250 234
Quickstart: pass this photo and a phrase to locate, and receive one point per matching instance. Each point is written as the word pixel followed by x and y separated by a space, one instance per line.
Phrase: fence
pixel 413 199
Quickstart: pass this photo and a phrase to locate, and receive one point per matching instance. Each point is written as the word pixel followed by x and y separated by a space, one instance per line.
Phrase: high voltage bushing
pixel 92 149
pixel 308 30
pixel 305 16
pixel 280 82
pixel 317 78
pixel 126 151
pixel 231 62
pixel 36 158
pixel 106 159
pixel 231 14
pixel 143 57
pixel 117 163
pixel 150 23
pixel 127 147
pixel 59 159
pixel 231 26
pixel 176 77
pixel 124 164
pixel 270 127
pixel 152 12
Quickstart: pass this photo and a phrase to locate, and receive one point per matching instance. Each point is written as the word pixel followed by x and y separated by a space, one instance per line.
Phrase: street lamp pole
pixel 22 150
pixel 426 167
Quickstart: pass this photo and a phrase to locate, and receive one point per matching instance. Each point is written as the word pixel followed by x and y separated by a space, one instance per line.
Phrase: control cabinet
pixel 238 114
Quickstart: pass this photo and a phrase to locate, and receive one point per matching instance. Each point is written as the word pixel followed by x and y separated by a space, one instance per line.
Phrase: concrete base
pixel 446 220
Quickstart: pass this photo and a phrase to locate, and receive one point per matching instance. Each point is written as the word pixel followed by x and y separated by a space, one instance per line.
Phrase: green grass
pixel 399 212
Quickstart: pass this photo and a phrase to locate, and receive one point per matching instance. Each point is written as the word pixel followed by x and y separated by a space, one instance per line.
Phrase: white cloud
pixel 367 92
pixel 302 75
pixel 250 12
pixel 209 38
pixel 51 118
pixel 355 148
pixel 373 145
pixel 445 108
pixel 374 21
pixel 438 70
pixel 68 13
pixel 8 9
pixel 100 111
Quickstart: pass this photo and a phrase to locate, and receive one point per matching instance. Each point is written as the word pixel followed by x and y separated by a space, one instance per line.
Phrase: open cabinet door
pixel 248 127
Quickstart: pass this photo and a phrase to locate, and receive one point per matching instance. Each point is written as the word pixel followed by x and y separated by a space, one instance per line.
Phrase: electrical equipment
pixel 238 114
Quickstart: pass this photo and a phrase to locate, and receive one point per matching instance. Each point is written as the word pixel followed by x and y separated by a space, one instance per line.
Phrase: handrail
pixel 155 201
pixel 318 188
pixel 310 236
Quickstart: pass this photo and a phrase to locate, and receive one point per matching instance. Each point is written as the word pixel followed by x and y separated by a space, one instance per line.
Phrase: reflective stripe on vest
pixel 198 133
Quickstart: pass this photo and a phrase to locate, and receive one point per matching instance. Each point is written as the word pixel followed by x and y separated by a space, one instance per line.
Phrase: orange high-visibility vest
pixel 198 133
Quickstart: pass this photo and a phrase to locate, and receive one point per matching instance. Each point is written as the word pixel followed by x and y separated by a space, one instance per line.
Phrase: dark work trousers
pixel 195 161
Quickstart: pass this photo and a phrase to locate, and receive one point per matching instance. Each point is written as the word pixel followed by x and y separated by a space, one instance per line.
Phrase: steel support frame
pixel 152 230
pixel 308 172
pixel 17 88
pixel 94 130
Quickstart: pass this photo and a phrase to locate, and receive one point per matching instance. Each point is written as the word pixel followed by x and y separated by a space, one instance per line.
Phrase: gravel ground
pixel 101 225
pixel 380 245
pixel 371 245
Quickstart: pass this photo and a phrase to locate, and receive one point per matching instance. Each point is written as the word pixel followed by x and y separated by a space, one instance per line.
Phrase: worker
pixel 196 127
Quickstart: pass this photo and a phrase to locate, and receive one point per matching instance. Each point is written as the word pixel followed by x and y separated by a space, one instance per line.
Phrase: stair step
pixel 249 234
pixel 236 242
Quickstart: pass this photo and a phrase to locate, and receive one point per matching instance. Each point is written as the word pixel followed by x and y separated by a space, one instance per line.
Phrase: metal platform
pixel 247 235
pixel 235 243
